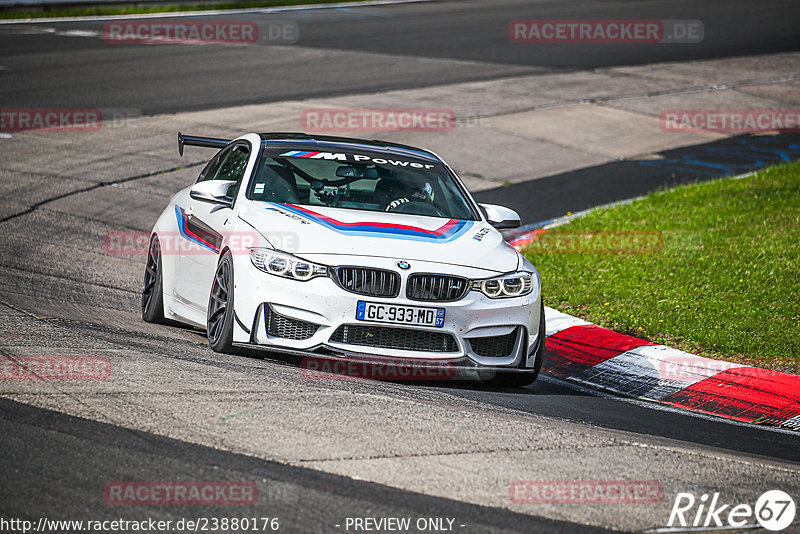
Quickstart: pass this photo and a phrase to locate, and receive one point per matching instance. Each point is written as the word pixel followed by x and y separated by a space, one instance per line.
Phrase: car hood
pixel 320 230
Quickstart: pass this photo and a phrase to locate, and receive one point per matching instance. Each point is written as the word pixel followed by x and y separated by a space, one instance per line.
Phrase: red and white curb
pixel 585 353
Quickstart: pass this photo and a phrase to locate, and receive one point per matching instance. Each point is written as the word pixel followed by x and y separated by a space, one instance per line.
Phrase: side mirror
pixel 501 217
pixel 213 191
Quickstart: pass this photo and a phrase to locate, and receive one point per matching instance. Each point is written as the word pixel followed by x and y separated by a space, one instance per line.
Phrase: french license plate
pixel 390 313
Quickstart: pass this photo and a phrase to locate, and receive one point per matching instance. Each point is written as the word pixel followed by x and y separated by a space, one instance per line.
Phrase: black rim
pixel 219 301
pixel 150 275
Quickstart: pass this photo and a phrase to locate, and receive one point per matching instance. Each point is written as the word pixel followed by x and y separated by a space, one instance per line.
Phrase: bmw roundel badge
pixel 403 265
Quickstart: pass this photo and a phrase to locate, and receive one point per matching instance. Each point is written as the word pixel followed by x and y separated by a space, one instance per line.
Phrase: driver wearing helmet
pixel 415 193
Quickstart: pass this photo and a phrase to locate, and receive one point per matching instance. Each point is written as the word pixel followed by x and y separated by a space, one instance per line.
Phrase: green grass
pixel 137 9
pixel 725 284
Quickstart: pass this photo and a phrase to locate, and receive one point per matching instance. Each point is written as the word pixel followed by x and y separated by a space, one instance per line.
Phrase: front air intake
pixel 436 287
pixel 288 328
pixel 368 281
pixel 395 338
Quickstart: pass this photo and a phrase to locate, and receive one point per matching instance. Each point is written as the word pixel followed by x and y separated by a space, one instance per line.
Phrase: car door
pixel 204 224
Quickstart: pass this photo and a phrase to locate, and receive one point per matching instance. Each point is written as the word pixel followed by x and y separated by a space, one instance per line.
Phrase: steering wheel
pixel 414 207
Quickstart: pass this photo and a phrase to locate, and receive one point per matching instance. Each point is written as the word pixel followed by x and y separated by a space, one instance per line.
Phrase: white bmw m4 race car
pixel 346 249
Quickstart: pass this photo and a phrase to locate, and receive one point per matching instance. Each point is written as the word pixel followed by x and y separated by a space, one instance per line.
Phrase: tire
pixel 153 287
pixel 219 319
pixel 518 379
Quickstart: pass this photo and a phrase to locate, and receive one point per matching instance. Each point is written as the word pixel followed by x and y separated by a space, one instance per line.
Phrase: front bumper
pixel 473 323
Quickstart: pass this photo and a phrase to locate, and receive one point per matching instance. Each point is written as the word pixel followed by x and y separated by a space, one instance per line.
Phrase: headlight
pixel 285 265
pixel 506 286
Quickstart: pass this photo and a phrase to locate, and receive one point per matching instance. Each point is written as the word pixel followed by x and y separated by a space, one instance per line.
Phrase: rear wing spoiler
pixel 208 142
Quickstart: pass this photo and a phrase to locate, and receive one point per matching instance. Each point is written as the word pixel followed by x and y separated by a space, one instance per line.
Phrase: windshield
pixel 363 181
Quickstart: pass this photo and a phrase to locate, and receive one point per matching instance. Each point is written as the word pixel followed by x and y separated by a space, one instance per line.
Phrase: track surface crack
pixel 93 187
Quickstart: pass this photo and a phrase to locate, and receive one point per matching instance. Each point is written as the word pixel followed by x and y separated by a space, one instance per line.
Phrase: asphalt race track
pixel 319 451
pixel 357 51
pixel 61 440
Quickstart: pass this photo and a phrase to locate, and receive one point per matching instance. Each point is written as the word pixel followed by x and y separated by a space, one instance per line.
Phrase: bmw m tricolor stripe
pixel 355 158
pixel 452 229
pixel 298 154
pixel 197 232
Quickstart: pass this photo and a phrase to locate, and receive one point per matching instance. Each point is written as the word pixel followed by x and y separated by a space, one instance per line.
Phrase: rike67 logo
pixel 774 510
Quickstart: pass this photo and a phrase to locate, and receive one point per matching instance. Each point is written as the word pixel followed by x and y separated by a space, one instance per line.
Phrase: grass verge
pixel 710 268
pixel 36 12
